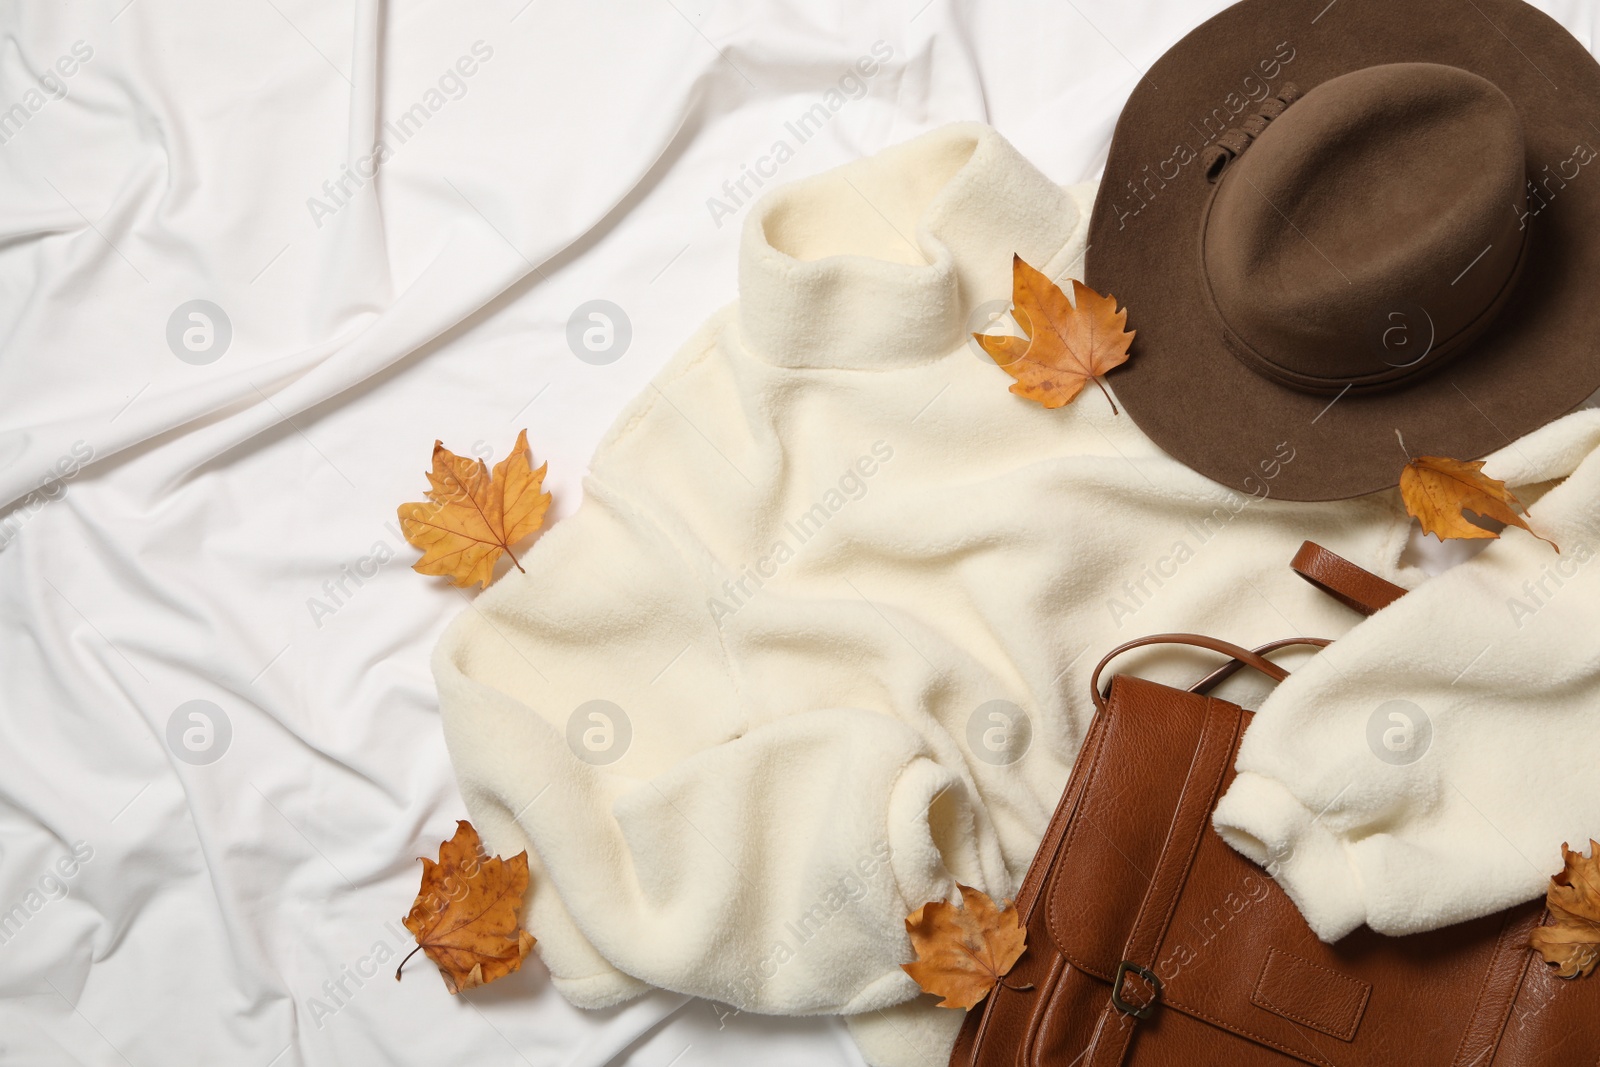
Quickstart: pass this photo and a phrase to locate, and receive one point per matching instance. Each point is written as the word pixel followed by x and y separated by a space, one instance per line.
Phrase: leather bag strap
pixel 1344 581
pixel 1113 1032
pixel 1240 656
pixel 1233 666
pixel 1501 987
pixel 1129 1003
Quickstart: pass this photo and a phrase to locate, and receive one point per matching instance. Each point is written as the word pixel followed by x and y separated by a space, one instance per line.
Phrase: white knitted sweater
pixel 817 642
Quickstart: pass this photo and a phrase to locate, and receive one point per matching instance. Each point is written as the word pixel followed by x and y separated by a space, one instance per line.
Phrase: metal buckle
pixel 1138 1011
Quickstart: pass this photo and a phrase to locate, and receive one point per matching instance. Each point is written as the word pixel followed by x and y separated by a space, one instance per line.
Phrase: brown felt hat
pixel 1333 221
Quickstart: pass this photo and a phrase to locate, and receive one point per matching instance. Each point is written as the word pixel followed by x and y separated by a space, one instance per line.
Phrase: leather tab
pixel 1305 992
pixel 1352 586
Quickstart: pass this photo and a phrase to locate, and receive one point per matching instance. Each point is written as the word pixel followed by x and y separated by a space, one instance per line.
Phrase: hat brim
pixel 1539 359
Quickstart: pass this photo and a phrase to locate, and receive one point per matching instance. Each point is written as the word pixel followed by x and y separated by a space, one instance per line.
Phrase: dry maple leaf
pixel 1572 942
pixel 471 516
pixel 1436 491
pixel 1066 343
pixel 962 953
pixel 465 914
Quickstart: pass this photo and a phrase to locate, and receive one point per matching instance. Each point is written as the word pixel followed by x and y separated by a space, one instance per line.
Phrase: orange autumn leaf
pixel 1065 343
pixel 465 914
pixel 1571 943
pixel 472 517
pixel 962 953
pixel 1437 490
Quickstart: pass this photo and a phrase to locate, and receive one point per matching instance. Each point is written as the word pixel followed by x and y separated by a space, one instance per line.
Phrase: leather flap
pixel 1233 950
pixel 1117 834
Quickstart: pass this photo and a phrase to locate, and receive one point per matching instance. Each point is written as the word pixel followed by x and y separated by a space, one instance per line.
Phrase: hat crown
pixel 1370 231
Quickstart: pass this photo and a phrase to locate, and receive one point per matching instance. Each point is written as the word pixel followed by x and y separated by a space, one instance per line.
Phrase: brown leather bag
pixel 1151 942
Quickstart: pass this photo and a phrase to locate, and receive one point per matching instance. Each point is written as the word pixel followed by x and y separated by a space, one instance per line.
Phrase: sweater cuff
pixel 1265 822
pixel 604 990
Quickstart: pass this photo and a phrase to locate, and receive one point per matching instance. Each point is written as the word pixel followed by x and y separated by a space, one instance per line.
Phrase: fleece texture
pixel 816 645
pixel 1426 767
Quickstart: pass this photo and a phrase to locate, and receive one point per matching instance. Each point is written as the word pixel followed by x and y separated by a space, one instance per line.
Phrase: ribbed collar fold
pixel 880 263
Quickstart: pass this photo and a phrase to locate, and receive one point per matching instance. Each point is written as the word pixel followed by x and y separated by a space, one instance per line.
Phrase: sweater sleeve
pixel 1426 768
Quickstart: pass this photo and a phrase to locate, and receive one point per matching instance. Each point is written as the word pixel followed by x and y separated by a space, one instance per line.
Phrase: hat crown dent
pixel 1370 231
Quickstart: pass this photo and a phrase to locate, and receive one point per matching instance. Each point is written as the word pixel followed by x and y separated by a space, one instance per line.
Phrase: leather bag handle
pixel 1233 666
pixel 1240 656
pixel 1353 586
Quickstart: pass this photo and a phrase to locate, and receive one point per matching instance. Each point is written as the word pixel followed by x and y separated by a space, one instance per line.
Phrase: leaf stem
pixel 400 968
pixel 1103 389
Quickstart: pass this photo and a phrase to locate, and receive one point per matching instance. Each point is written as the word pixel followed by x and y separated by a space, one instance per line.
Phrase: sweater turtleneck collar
pixel 880 263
